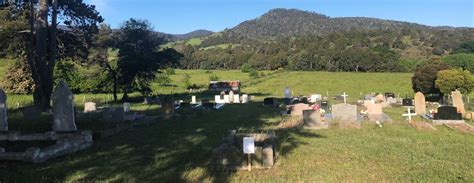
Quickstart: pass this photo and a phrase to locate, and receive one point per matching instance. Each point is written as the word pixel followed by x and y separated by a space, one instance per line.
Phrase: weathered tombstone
pixel 231 97
pixel 90 107
pixel 304 100
pixel 126 107
pixel 407 102
pixel 379 98
pixel 193 100
pixel 245 98
pixel 420 104
pixel 267 156
pixel 236 99
pixel 325 105
pixel 297 110
pixel 63 109
pixel 312 119
pixel 295 101
pixel 447 113
pixel 458 102
pixel 3 112
pixel 389 94
pixel 218 99
pixel 167 104
pixel 226 99
pixel 269 101
pixel 314 98
pixel 344 112
pixel 287 92
pixel 368 102
pixel 374 112
pixel 147 100
pixel 368 97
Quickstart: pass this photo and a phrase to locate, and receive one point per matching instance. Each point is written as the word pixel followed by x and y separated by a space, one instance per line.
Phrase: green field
pixel 179 150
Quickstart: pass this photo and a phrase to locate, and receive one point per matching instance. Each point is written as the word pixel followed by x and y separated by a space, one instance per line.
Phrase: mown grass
pixel 179 149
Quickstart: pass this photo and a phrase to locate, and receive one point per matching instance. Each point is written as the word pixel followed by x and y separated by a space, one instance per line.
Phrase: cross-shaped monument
pixel 409 114
pixel 345 97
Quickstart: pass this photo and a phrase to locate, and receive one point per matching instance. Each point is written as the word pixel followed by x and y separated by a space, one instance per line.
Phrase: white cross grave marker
pixel 345 97
pixel 409 114
pixel 249 148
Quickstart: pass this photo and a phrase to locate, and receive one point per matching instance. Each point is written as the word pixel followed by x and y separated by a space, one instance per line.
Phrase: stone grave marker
pixel 231 97
pixel 389 94
pixel 458 102
pixel 226 99
pixel 114 115
pixel 344 112
pixel 287 92
pixel 368 102
pixel 409 114
pixel 245 98
pixel 236 99
pixel 126 107
pixel 312 119
pixel 193 100
pixel 315 98
pixel 297 109
pixel 420 104
pixel 218 99
pixel 447 113
pixel 304 100
pixel 407 102
pixel 63 109
pixel 3 112
pixel 379 98
pixel 90 107
pixel 325 105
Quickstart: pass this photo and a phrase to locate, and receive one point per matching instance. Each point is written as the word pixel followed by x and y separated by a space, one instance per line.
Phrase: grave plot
pixel 230 154
pixel 462 127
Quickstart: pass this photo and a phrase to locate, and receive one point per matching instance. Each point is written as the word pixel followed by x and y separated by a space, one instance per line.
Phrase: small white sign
pixel 249 145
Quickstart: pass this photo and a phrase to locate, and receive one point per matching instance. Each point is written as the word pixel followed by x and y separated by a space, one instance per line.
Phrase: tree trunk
pixel 40 58
pixel 115 87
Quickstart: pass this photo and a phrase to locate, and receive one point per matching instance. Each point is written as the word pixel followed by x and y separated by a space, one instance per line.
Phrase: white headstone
pixel 409 114
pixel 218 100
pixel 249 145
pixel 226 99
pixel 245 98
pixel 126 107
pixel 193 99
pixel 236 99
pixel 63 109
pixel 3 112
pixel 314 98
pixel 231 96
pixel 90 107
pixel 287 92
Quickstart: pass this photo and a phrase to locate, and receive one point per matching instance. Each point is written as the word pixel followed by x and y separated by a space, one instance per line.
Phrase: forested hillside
pixel 301 40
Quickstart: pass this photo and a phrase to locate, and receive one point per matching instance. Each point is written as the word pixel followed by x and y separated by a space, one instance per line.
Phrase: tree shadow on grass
pixel 175 150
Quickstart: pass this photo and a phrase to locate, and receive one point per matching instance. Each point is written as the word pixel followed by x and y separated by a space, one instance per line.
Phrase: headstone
pixel 344 112
pixel 167 104
pixel 218 99
pixel 304 100
pixel 245 98
pixel 325 105
pixel 297 109
pixel 269 101
pixel 458 102
pixel 236 99
pixel 420 104
pixel 379 98
pixel 193 100
pixel 3 112
pixel 315 98
pixel 90 107
pixel 409 114
pixel 312 118
pixel 63 109
pixel 407 102
pixel 368 97
pixel 389 94
pixel 447 113
pixel 267 155
pixel 287 92
pixel 226 99
pixel 126 107
pixel 368 102
pixel 231 97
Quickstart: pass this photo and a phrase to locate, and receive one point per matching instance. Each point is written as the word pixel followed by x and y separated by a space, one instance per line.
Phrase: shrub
pixel 253 74
pixel 186 80
pixel 163 79
pixel 18 78
pixel 455 79
pixel 246 68
pixel 170 71
pixel 214 78
pixel 425 76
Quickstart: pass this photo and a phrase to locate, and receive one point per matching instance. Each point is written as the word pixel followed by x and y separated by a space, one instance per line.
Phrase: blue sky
pixel 182 16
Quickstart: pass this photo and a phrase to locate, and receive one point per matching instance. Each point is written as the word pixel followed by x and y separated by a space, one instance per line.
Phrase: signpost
pixel 249 148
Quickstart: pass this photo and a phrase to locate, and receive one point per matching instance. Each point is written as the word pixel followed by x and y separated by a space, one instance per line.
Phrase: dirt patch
pixel 462 127
pixel 423 126
pixel 291 122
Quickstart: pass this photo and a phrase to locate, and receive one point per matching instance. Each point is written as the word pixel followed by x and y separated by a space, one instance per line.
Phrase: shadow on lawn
pixel 176 150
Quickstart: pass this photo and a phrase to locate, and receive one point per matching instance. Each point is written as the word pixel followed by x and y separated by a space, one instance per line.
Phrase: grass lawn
pixel 179 149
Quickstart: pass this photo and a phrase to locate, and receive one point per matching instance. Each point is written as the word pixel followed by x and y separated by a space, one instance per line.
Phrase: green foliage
pixel 246 68
pixel 170 71
pixel 254 74
pixel 214 78
pixel 425 76
pixel 17 78
pixel 163 79
pixel 462 60
pixel 455 79
pixel 408 65
pixel 67 72
pixel 186 80
pixel 466 47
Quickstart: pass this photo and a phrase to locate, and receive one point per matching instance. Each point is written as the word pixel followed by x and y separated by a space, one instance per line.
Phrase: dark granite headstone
pixel 389 94
pixel 447 113
pixel 269 101
pixel 339 97
pixel 325 105
pixel 304 100
pixel 295 101
pixel 407 102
